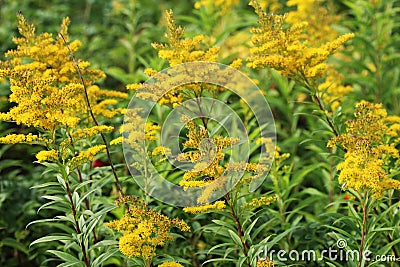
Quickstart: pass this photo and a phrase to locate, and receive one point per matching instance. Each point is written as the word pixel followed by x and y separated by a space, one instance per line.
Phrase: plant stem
pixel 364 227
pixel 86 204
pixel 81 181
pixel 78 229
pixel 331 168
pixel 317 100
pixel 245 245
pixel 378 47
pixel 119 187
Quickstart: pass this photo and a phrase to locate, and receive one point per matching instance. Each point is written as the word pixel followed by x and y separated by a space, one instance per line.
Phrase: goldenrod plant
pixel 200 133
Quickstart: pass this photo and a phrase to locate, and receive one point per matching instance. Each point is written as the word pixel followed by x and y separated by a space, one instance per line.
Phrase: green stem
pixel 317 100
pixel 377 58
pixel 81 181
pixel 78 229
pixel 119 187
pixel 364 227
pixel 331 176
pixel 245 245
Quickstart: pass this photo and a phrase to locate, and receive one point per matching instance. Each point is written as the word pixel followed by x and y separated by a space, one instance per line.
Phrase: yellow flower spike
pixel 220 7
pixel 258 202
pixel 44 87
pixel 265 263
pixel 143 229
pixel 91 131
pixel 51 155
pixel 285 49
pixel 218 205
pixel 187 184
pixel 160 150
pixel 368 152
pixel 177 50
pixel 116 141
pixel 237 64
pixel 24 138
pixel 86 155
pixel 320 18
pixel 150 72
pixel 133 87
pixel 170 264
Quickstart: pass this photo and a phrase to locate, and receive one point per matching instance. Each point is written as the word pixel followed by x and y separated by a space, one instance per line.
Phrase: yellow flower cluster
pixel 160 150
pixel 103 102
pixel 217 6
pixel 24 138
pixel 143 229
pixel 170 264
pixel 217 206
pixel 176 51
pixel 284 50
pixel 279 170
pixel 44 80
pixel 136 131
pixel 269 147
pixel 318 17
pixel 272 5
pixel 50 155
pixel 332 90
pixel 91 131
pixel 205 152
pixel 86 155
pixel 369 150
pixel 280 156
pixel 265 263
pixel 116 141
pixel 258 202
pixel 181 50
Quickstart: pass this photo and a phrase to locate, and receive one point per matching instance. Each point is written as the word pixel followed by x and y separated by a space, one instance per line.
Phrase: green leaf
pixel 235 237
pixel 386 248
pixel 249 229
pixel 10 242
pixel 219 260
pixel 51 238
pixel 104 256
pixel 103 243
pixel 45 185
pixel 225 224
pixel 66 257
pixel 219 246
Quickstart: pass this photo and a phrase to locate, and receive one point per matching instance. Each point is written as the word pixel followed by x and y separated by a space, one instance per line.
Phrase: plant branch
pixel 119 187
pixel 245 245
pixel 81 181
pixel 78 229
pixel 364 227
pixel 317 100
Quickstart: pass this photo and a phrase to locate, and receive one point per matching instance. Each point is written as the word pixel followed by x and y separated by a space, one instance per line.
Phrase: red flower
pixel 98 163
